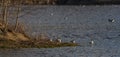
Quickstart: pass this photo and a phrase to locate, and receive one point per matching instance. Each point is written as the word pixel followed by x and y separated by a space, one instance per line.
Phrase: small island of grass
pixel 18 39
pixel 30 43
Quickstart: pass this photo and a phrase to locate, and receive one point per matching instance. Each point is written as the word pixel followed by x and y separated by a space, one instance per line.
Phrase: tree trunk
pixel 5 14
pixel 17 17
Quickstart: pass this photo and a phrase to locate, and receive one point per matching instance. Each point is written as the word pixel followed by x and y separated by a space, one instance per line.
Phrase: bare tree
pixel 17 14
pixel 5 14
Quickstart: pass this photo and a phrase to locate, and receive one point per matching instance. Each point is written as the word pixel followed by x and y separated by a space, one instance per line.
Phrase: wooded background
pixel 63 2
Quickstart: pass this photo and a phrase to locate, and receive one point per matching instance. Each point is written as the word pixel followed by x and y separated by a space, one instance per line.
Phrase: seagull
pixel 111 20
pixel 73 41
pixel 58 40
pixel 51 14
pixel 66 18
pixel 91 42
pixel 50 40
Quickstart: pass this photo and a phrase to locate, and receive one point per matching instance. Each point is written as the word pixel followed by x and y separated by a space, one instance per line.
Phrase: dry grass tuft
pixel 18 39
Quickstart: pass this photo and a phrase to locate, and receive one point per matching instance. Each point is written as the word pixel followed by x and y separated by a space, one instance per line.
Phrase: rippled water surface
pixel 79 23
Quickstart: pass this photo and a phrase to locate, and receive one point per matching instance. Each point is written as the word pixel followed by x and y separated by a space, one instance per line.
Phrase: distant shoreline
pixel 62 2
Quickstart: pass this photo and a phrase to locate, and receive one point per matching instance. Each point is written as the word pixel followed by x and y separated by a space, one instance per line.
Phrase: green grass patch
pixel 9 44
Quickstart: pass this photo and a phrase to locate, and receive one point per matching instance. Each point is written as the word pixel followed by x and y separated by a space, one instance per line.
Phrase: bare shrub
pixel 20 29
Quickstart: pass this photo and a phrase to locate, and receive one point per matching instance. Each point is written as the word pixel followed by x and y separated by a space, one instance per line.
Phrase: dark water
pixel 62 52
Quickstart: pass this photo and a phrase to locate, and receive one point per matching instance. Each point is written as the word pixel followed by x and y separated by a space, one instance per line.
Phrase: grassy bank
pixel 43 43
pixel 18 39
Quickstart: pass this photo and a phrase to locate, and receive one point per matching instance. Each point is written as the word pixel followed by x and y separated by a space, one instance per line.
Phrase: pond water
pixel 80 23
